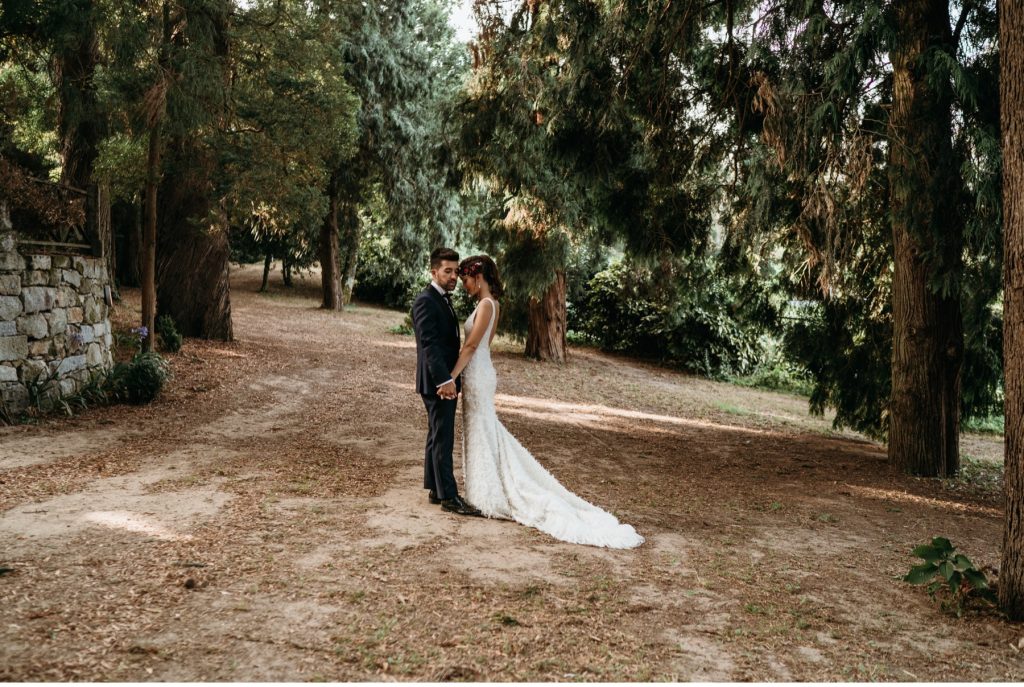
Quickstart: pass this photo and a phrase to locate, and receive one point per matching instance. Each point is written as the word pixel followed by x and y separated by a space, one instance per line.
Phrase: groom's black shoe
pixel 432 497
pixel 458 506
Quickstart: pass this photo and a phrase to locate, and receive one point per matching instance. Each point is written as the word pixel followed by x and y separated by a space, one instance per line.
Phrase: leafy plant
pixel 694 314
pixel 139 380
pixel 950 576
pixel 168 333
pixel 404 329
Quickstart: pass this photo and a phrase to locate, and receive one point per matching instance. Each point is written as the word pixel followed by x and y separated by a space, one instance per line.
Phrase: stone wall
pixel 53 321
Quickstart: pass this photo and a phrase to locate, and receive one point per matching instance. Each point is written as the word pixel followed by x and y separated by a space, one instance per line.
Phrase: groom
pixel 437 350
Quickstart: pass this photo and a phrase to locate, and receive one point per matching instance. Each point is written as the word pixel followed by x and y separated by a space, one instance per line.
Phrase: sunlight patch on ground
pixel 397 344
pixel 133 522
pixel 904 497
pixel 544 409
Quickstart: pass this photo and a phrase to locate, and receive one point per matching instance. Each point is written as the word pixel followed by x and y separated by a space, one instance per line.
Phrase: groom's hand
pixel 447 391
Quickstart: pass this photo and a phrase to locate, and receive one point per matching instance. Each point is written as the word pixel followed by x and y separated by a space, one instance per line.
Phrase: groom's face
pixel 446 274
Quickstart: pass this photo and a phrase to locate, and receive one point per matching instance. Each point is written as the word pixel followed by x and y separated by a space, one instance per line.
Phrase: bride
pixel 501 478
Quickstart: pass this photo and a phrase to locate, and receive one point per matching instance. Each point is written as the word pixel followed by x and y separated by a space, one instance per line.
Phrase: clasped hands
pixel 448 391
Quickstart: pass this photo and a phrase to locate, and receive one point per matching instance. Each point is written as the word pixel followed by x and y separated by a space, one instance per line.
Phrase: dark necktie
pixel 448 300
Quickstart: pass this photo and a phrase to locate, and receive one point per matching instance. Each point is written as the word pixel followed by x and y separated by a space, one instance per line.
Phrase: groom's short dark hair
pixel 441 254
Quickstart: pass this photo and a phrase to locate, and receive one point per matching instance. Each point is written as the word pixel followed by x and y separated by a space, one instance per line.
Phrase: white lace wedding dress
pixel 503 480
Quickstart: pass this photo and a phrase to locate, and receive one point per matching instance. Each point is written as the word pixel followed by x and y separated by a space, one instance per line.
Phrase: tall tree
pixel 192 242
pixel 583 121
pixel 401 61
pixel 927 235
pixel 75 60
pixel 874 192
pixel 1011 105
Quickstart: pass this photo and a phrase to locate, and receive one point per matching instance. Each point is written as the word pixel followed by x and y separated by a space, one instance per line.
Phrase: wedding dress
pixel 503 480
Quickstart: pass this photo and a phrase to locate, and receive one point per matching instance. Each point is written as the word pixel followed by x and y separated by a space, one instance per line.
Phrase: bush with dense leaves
pixel 139 380
pixel 168 333
pixel 384 277
pixel 689 314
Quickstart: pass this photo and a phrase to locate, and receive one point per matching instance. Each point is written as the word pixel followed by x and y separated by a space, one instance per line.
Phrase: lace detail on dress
pixel 504 480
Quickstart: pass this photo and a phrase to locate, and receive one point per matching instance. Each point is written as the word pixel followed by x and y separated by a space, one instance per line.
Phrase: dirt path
pixel 263 520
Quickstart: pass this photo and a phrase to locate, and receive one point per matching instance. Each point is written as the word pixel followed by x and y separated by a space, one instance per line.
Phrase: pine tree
pixel 583 121
pixel 874 193
pixel 401 61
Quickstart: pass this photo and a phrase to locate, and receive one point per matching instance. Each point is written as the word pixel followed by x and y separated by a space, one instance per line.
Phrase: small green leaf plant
pixel 168 333
pixel 950 576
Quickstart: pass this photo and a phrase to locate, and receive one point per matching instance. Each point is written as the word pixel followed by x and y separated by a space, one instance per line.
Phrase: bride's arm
pixel 480 322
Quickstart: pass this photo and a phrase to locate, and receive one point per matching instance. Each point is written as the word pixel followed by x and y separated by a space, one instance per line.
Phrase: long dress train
pixel 504 480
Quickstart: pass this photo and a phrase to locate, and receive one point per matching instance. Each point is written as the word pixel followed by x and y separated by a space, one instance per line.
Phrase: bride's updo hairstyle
pixel 483 265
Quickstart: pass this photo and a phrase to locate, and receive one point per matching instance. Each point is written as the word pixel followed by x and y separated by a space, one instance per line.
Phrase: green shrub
pixel 690 315
pixel 404 329
pixel 168 333
pixel 139 380
pixel 384 277
pixel 949 574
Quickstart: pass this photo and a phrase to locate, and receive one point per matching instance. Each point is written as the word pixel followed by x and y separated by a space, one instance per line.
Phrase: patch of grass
pixel 993 424
pixel 731 409
pixel 775 375
pixel 977 475
pixel 404 329
pixel 503 618
pixel 826 517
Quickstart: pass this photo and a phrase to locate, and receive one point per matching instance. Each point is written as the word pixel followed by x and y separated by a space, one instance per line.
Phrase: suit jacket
pixel 437 341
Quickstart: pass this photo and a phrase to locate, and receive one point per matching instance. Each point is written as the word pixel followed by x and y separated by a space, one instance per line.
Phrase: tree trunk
pixel 79 125
pixel 192 276
pixel 329 276
pixel 353 230
pixel 924 413
pixel 1011 105
pixel 266 272
pixel 106 226
pixel 147 256
pixel 286 271
pixel 545 338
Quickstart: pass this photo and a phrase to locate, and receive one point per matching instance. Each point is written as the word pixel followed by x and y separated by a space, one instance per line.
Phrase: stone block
pixel 11 262
pixel 31 370
pixel 87 333
pixel 10 308
pixel 94 356
pixel 100 328
pixel 95 310
pixel 9 328
pixel 76 315
pixel 36 278
pixel 34 326
pixel 39 262
pixel 41 347
pixel 38 298
pixel 72 277
pixel 57 319
pixel 68 386
pixel 7 241
pixel 67 296
pixel 70 364
pixel 13 347
pixel 54 277
pixel 61 261
pixel 10 284
pixel 15 396
pixel 8 373
pixel 78 264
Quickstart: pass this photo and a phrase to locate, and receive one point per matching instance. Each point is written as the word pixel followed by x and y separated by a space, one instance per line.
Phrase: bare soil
pixel 264 520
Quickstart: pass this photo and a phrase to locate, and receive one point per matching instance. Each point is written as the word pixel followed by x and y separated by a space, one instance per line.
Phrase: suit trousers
pixel 438 473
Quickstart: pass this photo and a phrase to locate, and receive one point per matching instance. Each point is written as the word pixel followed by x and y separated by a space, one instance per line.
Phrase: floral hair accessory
pixel 472 269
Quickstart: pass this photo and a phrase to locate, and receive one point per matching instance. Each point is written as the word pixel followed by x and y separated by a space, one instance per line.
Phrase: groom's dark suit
pixel 437 351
